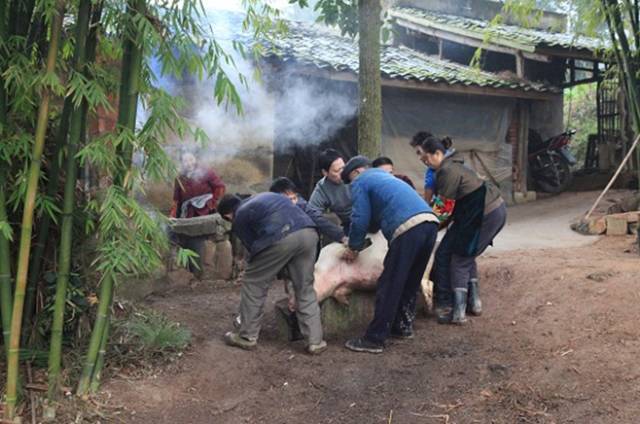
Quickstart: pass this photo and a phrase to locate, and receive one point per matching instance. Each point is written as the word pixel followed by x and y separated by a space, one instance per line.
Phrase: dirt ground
pixel 558 343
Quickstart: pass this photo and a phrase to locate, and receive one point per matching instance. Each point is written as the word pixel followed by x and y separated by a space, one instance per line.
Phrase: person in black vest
pixel 478 216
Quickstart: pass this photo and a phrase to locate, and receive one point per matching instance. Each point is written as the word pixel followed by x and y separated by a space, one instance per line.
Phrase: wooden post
pixel 519 65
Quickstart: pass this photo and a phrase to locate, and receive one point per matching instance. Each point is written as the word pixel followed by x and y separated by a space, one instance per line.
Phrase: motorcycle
pixel 550 161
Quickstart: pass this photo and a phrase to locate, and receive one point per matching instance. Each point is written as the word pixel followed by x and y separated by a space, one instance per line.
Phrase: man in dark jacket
pixel 381 200
pixel 277 235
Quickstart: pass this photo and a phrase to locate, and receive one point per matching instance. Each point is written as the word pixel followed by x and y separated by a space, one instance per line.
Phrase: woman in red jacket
pixel 197 189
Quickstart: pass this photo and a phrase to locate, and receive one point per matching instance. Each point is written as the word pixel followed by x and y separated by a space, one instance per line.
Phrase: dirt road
pixel 558 343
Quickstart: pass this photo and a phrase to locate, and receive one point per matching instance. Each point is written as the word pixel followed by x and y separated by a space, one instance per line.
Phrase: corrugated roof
pixel 325 48
pixel 525 39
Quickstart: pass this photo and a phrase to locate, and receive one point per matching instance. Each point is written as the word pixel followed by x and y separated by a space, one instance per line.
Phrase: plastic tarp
pixel 477 125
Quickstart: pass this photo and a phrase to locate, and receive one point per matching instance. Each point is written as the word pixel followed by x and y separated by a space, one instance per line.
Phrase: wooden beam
pixel 569 53
pixel 427 86
pixel 579 82
pixel 468 41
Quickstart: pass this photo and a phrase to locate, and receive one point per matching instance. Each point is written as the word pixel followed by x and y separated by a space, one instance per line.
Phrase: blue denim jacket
pixel 383 201
pixel 266 218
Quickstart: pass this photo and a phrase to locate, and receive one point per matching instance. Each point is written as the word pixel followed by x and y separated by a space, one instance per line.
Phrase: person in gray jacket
pixel 330 193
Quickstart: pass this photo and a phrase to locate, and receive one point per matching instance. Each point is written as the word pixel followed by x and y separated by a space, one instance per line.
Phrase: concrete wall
pixel 485 10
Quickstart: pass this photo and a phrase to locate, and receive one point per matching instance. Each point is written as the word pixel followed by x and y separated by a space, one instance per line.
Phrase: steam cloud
pixel 303 112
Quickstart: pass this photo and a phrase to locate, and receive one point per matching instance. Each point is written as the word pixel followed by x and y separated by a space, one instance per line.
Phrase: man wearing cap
pixel 382 201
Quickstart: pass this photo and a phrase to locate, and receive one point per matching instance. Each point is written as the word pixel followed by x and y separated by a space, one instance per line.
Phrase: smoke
pixel 293 109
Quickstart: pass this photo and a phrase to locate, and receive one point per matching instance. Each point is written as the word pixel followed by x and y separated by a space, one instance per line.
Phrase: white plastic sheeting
pixel 477 125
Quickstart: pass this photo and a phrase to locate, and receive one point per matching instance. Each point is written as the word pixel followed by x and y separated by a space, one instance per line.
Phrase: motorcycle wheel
pixel 560 180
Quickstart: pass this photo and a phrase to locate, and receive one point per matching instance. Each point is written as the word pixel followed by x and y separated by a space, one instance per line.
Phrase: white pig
pixel 335 277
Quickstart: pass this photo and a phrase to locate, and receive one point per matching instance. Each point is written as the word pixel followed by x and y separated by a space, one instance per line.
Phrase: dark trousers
pixel 398 285
pixel 453 271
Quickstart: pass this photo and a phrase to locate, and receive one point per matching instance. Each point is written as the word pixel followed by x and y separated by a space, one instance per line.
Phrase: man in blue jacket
pixel 277 235
pixel 382 201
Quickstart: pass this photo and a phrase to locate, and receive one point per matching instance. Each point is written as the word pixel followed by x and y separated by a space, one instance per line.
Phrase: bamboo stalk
pixel 613 13
pixel 66 234
pixel 3 36
pixel 5 277
pixel 130 81
pixel 21 13
pixel 127 105
pixel 45 223
pixel 97 334
pixel 97 371
pixel 5 258
pixel 27 219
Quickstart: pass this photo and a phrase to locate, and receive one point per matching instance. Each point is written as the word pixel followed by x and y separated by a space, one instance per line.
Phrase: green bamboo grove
pixel 62 63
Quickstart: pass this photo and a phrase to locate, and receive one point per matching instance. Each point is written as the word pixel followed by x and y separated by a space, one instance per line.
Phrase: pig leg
pixel 341 294
pixel 426 285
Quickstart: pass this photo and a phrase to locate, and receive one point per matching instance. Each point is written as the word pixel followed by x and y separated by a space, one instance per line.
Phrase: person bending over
pixel 382 201
pixel 277 235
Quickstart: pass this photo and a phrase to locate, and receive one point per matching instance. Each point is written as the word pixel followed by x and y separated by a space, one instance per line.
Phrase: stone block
pixel 223 260
pixel 520 197
pixel 597 226
pixel 212 226
pixel 616 226
pixel 338 320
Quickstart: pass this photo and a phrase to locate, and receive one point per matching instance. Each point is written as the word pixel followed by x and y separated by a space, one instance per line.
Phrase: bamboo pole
pixel 27 219
pixel 5 277
pixel 97 371
pixel 614 19
pixel 42 239
pixel 3 36
pixel 5 258
pixel 66 233
pixel 129 88
pixel 97 334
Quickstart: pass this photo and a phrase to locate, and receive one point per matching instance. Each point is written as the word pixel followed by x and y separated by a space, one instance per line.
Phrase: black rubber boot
pixel 459 306
pixel 474 304
pixel 443 314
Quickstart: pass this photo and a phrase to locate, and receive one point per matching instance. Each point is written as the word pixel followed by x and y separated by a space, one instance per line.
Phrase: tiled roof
pixel 520 38
pixel 325 48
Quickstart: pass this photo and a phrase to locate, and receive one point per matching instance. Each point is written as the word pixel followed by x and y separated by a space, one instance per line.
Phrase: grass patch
pixel 154 334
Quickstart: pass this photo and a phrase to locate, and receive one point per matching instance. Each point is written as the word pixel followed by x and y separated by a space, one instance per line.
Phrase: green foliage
pixel 129 239
pixel 186 257
pixel 151 333
pixel 340 13
pixel 580 114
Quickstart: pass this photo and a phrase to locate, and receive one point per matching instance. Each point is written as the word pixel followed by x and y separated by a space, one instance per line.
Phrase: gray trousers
pixel 297 254
pixel 464 268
